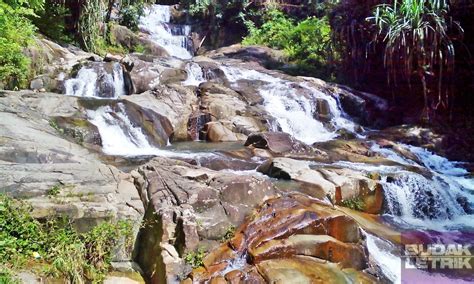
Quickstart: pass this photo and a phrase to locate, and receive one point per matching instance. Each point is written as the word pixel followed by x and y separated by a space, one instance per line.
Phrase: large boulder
pixel 56 176
pixel 173 102
pixel 188 207
pixel 122 36
pixel 150 72
pixel 340 185
pixel 288 239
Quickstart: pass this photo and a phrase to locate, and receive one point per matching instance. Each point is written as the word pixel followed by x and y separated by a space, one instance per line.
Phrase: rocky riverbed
pixel 271 178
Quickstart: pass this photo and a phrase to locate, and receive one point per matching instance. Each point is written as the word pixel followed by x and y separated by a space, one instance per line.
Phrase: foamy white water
pixel 438 202
pixel 173 38
pixel 294 112
pixel 85 83
pixel 195 74
pixel 120 137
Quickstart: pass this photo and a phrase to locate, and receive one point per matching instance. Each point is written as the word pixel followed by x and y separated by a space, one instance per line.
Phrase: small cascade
pixel 84 85
pixel 380 253
pixel 175 39
pixel 444 200
pixel 98 80
pixel 195 74
pixel 294 106
pixel 122 138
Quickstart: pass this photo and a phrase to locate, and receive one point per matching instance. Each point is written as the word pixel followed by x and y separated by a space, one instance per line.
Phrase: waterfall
pixel 95 81
pixel 442 201
pixel 386 262
pixel 174 39
pixel 84 85
pixel 195 74
pixel 295 113
pixel 122 138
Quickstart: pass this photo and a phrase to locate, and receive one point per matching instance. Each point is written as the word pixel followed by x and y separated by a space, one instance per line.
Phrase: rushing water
pixel 293 105
pixel 175 39
pixel 121 137
pixel 95 81
pixel 195 74
pixel 439 196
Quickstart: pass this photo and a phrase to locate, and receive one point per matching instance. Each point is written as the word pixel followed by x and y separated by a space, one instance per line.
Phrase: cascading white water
pixel 86 83
pixel 195 74
pixel 173 38
pixel 122 138
pixel 442 201
pixel 294 113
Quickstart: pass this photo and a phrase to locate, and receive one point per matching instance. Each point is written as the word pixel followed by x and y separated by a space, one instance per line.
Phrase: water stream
pixel 439 196
pixel 175 39
pixel 293 105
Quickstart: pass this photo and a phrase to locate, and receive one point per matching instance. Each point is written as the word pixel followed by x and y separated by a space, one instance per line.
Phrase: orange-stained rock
pixel 187 281
pixel 219 255
pixel 343 228
pixel 234 277
pixel 374 201
pixel 301 269
pixel 237 243
pixel 320 246
pixel 218 280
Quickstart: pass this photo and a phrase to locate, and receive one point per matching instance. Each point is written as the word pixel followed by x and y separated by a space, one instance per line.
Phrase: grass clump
pixel 54 248
pixel 195 258
pixel 355 203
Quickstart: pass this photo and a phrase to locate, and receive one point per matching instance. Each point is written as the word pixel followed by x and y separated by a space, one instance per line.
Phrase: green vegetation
pixel 229 234
pixel 53 248
pixel 54 190
pixel 16 31
pixel 130 14
pixel 417 41
pixel 195 258
pixel 307 43
pixel 51 21
pixel 354 203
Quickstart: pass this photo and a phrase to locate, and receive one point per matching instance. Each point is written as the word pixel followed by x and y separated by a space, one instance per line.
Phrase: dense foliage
pixel 54 248
pixel 418 37
pixel 16 31
pixel 307 43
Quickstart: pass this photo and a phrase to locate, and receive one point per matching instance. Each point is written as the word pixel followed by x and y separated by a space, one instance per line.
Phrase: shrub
pixel 51 21
pixel 307 43
pixel 131 13
pixel 354 203
pixel 15 34
pixel 195 258
pixel 56 247
pixel 418 37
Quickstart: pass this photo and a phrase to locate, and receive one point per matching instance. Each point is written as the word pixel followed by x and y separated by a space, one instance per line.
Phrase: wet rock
pixel 149 73
pixel 35 158
pixel 263 55
pixel 293 236
pixel 173 102
pixel 323 112
pixel 302 269
pixel 122 36
pixel 188 207
pixel 216 132
pixel 319 246
pixel 276 142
